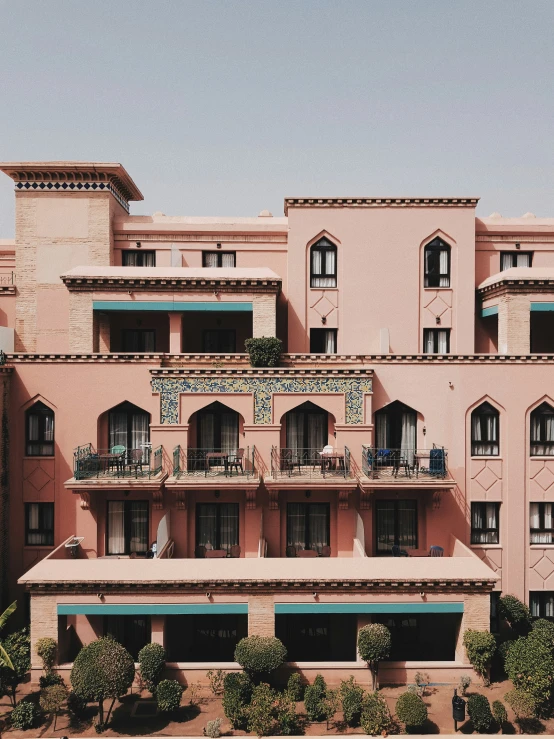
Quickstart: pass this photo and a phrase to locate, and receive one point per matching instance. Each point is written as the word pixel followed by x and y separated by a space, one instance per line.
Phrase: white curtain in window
pixel 381 431
pixel 295 430
pixel 116 527
pixel 331 258
pixel 317 261
pixel 140 423
pixel 484 434
pixel 317 431
pixel 429 342
pixel 408 439
pixel 33 524
pixel 149 338
pixel 33 427
pixel 210 259
pixel 548 605
pixel 506 261
pixel 443 267
pixel 228 525
pixel 296 525
pixel 138 543
pixel 540 536
pixel 229 432
pixel 522 260
pixel 49 428
pixel 118 429
pixel 491 516
pixel 484 517
pixel 534 605
pixel 318 528
pixel 330 342
pixel 130 258
pixel 206 431
pixel 227 259
pixel 149 259
pixel 442 342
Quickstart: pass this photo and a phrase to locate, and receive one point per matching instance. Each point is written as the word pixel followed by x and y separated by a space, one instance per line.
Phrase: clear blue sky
pixel 224 107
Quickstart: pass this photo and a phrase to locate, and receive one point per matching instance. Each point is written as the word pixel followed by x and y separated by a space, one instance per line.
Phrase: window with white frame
pixel 484 523
pixel 323 264
pixel 219 259
pixel 436 340
pixel 541 604
pixel 485 431
pixel 437 264
pixel 540 523
pixel 136 258
pixel 510 259
pixel 542 431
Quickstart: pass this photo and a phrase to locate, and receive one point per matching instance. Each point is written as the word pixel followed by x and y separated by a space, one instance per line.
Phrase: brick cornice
pixel 380 203
pixel 162 284
pixel 515 287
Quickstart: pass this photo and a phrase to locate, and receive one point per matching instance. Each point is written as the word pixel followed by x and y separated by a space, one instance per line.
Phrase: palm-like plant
pixel 5 660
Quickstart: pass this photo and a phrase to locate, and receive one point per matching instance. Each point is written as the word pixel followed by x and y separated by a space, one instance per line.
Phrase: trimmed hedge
pixel 264 351
pixel 530 666
pixel 376 717
pixel 237 692
pixel 260 712
pixel 168 695
pixel 47 649
pixel 411 710
pixel 480 647
pixel 479 710
pixel 295 687
pixel 25 715
pixel 499 713
pixel 523 704
pixel 515 612
pixel 152 662
pixel 260 655
pixel 543 629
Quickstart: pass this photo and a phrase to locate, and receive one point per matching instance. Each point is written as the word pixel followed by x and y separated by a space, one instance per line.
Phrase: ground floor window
pixel 318 637
pixel 204 638
pixel 127 529
pixel 427 637
pixel 542 604
pixel 217 525
pixel 396 525
pixel 132 632
pixel 308 526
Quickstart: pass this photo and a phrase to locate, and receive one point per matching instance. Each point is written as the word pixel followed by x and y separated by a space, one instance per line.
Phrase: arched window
pixel 542 431
pixel 306 427
pixel 129 426
pixel 323 264
pixel 395 427
pixel 437 264
pixel 217 428
pixel 39 431
pixel 485 432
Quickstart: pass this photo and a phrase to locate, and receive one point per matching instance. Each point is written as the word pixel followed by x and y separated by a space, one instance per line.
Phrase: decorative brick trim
pixel 210 238
pixel 75 187
pixel 379 203
pixel 520 286
pixel 123 284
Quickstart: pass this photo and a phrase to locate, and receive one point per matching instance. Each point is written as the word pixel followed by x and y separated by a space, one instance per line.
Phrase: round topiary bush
pixel 530 666
pixel 543 629
pixel 374 645
pixel 47 649
pixel 168 695
pixel 480 647
pixel 499 713
pixel 260 655
pixel 51 678
pixel 515 612
pixel 411 710
pixel 25 715
pixel 152 662
pixel 376 717
pixel 479 710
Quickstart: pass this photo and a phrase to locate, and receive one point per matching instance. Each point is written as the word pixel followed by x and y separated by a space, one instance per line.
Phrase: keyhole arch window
pixel 485 431
pixel 39 431
pixel 323 264
pixel 436 257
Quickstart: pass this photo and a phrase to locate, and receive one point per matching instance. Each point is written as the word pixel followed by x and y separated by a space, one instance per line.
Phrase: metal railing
pixel 240 462
pixel 310 463
pixel 7 278
pixel 89 462
pixel 402 464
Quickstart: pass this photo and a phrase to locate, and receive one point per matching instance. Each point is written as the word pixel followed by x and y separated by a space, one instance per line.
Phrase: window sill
pixel 541 546
pixel 39 456
pixel 42 547
pixel 486 546
pixel 437 288
pixel 550 457
pixel 323 288
pixel 486 456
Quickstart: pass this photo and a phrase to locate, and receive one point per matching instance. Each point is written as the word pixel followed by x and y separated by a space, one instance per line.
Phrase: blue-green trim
pixel 282 608
pixel 541 307
pixel 149 609
pixel 492 311
pixel 169 306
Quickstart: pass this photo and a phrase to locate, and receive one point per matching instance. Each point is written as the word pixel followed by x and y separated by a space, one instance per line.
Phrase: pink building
pixel 412 415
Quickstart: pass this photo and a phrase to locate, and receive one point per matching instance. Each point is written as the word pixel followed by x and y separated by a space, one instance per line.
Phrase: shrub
pixel 152 662
pixel 237 692
pixel 295 687
pixel 523 704
pixel 285 713
pixel 479 710
pixel 465 682
pixel 516 613
pixel 411 710
pixel 18 648
pixel 215 679
pixel 168 695
pixel 376 717
pixel 213 728
pixel 502 650
pixel 260 655
pixel 499 713
pixel 421 680
pixel 76 705
pixel 330 705
pixel 480 647
pixel 51 700
pixel 374 644
pixel 351 698
pixel 25 715
pixel 265 351
pixel 543 629
pixel 51 678
pixel 530 667
pixel 260 711
pixel 46 649
pixel 102 669
pixel 314 696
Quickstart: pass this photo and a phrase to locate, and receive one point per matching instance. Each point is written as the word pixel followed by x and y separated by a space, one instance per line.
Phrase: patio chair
pixel 397 552
pixel 326 551
pixel 436 551
pixel 135 460
pixel 235 551
pixel 200 552
pixel 235 460
pixel 290 551
pixel 117 449
pixel 289 460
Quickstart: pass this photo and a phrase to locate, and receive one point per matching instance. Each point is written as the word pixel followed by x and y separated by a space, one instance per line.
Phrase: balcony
pixel 331 466
pixel 201 464
pixel 406 468
pixel 116 463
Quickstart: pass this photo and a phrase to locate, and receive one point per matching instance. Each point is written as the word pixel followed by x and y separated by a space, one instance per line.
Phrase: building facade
pixel 397 466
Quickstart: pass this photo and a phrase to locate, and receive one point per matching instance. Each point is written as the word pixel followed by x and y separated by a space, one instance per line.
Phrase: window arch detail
pixel 323 264
pixel 542 431
pixel 39 431
pixel 128 426
pixel 485 431
pixel 436 257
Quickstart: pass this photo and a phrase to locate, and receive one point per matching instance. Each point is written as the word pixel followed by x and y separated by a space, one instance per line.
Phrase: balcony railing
pixel 314 464
pixel 192 462
pixel 7 278
pixel 403 464
pixel 89 462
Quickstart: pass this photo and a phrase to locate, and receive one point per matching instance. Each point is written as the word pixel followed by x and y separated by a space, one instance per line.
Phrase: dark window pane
pixel 39 524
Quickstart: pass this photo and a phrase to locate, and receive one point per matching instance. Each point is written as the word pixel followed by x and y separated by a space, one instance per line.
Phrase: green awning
pixel 148 609
pixel 170 306
pixel 396 608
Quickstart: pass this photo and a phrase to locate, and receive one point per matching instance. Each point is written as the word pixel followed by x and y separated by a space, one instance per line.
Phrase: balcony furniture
pixel 219 458
pixel 216 553
pixel 397 552
pixel 331 460
pixel 290 551
pixel 110 460
pixel 235 461
pixel 306 553
pixel 200 552
pixel 289 460
pixel 135 460
pixel 235 551
pixel 436 551
pixel 325 551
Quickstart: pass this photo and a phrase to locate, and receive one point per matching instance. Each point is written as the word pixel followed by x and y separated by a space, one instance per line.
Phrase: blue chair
pixel 436 551
pixel 437 462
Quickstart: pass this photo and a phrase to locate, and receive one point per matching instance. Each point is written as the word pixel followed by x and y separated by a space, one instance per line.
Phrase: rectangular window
pixel 219 259
pixel 541 604
pixel 39 524
pixel 436 341
pixel 132 258
pixel 217 526
pixel 484 523
pixel 515 259
pixel 138 340
pixel 219 341
pixel 323 341
pixel 396 525
pixel 132 632
pixel 540 523
pixel 308 526
pixel 127 527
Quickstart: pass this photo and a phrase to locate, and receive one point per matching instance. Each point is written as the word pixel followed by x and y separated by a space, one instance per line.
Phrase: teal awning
pixel 149 609
pixel 492 311
pixel 403 608
pixel 542 307
pixel 170 306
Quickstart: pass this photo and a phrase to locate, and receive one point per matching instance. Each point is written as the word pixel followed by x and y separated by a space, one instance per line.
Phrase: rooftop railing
pixel 402 464
pixel 313 464
pixel 194 462
pixel 116 462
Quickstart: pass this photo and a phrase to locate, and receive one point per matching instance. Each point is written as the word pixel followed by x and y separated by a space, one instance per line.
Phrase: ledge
pixel 379 203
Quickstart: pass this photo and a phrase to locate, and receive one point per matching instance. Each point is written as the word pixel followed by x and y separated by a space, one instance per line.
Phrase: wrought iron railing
pixel 310 463
pixel 189 461
pixel 89 462
pixel 402 464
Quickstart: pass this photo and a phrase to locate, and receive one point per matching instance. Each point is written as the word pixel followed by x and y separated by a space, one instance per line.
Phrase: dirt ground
pixel 190 720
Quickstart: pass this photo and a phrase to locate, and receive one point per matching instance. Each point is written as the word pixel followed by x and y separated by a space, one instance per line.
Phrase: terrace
pixel 406 468
pixel 233 466
pixel 117 463
pixel 316 465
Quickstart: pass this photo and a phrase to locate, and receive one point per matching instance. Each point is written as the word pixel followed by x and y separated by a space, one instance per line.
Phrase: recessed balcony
pixel 209 465
pixel 327 464
pixel 117 463
pixel 406 468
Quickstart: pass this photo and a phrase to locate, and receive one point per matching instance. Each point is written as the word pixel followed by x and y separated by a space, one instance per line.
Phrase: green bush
pixel 152 662
pixel 480 647
pixel 215 679
pixel 314 697
pixel 76 705
pixel 264 351
pixel 285 714
pixel 530 667
pixel 25 715
pixel 52 699
pixel 502 650
pixel 376 717
pixel 295 687
pixel 102 669
pixel 516 613
pixel 237 692
pixel 523 704
pixel 18 648
pixel 351 698
pixel 479 710
pixel 260 655
pixel 499 713
pixel 374 645
pixel 543 629
pixel 411 710
pixel 168 695
pixel 260 711
pixel 213 728
pixel 47 648
pixel 51 678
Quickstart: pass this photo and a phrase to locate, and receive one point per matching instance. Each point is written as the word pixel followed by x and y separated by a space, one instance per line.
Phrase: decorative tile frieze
pixel 74 187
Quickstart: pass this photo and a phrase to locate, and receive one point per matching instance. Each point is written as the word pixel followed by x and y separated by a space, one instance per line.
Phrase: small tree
pixel 480 647
pixel 523 704
pixel 376 717
pixel 499 714
pixel 152 662
pixel 52 699
pixel 260 655
pixel 285 713
pixel 264 351
pixel 103 669
pixel 47 649
pixel 479 710
pixel 295 687
pixel 516 613
pixel 374 645
pixel 314 697
pixel 411 711
pixel 237 691
pixel 168 695
pixel 351 698
pixel 18 648
pixel 260 712
pixel 530 667
pixel 215 679
pixel 330 705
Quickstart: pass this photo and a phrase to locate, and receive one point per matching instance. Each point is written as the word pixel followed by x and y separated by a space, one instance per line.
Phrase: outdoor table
pixel 110 458
pixel 331 460
pixel 216 553
pixel 306 553
pixel 221 456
